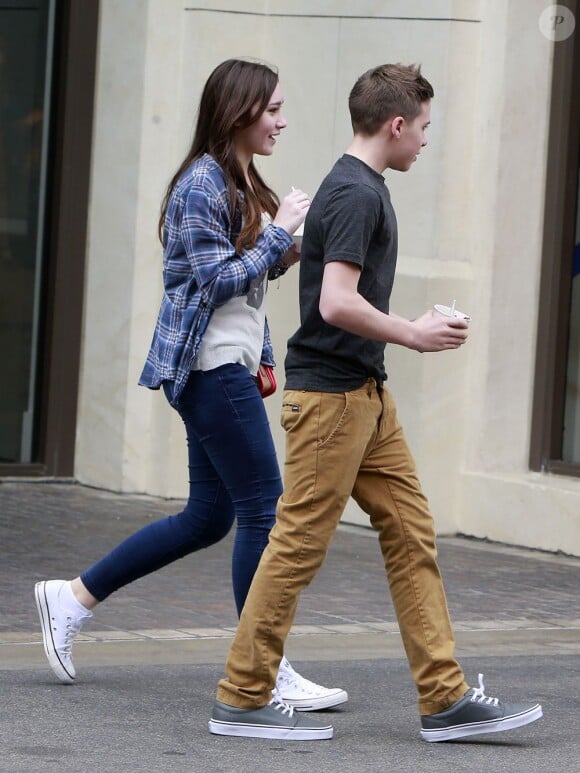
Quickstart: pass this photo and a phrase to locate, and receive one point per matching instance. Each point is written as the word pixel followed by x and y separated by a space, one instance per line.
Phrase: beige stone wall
pixel 470 221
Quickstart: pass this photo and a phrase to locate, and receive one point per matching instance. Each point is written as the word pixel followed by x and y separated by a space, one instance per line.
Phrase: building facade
pixel 98 103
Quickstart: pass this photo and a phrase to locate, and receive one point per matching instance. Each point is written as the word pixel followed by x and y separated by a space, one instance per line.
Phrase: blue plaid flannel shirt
pixel 201 271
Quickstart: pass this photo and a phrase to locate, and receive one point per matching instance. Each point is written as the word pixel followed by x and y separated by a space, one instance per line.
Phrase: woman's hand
pixel 292 211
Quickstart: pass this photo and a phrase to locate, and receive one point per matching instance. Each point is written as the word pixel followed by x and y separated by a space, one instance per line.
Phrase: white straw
pixel 453 308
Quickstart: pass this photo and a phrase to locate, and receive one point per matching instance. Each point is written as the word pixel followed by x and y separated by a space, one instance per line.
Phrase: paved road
pixel 149 661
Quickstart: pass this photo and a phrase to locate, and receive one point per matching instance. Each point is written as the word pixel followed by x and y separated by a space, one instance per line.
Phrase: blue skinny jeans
pixel 233 475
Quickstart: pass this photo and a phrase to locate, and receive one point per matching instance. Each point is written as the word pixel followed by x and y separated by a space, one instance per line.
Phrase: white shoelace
pixel 288 676
pixel 479 695
pixel 299 683
pixel 73 626
pixel 278 704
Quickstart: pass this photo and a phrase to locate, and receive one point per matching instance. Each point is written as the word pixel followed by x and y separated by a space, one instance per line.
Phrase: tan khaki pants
pixel 340 445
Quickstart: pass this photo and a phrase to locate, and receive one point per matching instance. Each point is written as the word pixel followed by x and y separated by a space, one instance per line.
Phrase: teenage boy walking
pixel 343 439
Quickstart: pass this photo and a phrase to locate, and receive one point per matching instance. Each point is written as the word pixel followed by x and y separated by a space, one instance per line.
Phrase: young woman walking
pixel 224 234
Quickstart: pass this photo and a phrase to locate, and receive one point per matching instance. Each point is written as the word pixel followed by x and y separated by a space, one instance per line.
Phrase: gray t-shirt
pixel 351 219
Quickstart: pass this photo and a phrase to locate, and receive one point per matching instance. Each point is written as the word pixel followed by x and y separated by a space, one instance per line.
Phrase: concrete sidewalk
pixel 148 662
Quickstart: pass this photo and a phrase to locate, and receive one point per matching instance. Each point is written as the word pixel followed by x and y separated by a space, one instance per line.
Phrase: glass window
pixel 571 439
pixel 555 430
pixel 26 32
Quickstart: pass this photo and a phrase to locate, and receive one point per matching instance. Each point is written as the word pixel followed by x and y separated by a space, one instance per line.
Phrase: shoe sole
pixel 317 704
pixel 270 731
pixel 479 728
pixel 54 661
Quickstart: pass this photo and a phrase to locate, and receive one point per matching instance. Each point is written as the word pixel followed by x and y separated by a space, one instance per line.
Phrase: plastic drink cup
pixel 297 237
pixel 450 312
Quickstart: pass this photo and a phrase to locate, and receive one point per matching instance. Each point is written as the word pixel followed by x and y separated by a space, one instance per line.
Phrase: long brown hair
pixel 234 97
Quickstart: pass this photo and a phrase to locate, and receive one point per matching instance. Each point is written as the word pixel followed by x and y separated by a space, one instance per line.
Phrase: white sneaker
pixel 59 625
pixel 304 695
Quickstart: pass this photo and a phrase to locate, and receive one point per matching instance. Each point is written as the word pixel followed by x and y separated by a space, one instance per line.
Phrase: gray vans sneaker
pixel 276 720
pixel 475 714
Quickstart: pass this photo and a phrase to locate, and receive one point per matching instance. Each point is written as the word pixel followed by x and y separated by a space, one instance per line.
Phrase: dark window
pixel 555 440
pixel 47 69
pixel 26 48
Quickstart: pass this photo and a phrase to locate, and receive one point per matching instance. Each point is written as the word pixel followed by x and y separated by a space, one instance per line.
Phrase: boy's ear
pixel 397 126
